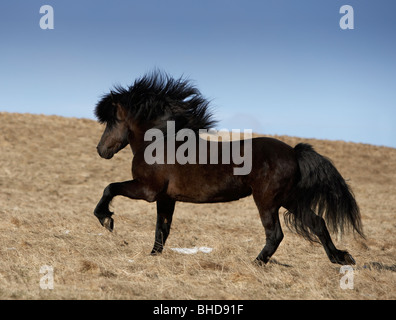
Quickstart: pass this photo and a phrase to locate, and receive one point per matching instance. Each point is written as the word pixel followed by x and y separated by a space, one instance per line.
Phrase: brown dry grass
pixel 51 179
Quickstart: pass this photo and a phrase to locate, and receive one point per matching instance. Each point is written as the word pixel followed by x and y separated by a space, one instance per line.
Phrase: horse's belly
pixel 208 194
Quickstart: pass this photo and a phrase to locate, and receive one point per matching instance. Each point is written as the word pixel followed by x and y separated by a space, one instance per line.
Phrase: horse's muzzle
pixel 105 153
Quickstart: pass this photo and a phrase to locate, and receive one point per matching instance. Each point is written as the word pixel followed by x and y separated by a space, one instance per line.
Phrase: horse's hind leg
pixel 273 231
pixel 318 227
pixel 165 208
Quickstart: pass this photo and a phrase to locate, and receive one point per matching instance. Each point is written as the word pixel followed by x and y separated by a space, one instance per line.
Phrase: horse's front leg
pixel 132 189
pixel 165 209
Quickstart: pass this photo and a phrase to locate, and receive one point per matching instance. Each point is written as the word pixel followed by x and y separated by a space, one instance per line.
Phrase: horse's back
pixel 273 153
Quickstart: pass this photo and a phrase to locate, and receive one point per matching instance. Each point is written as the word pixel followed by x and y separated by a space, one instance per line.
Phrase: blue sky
pixel 277 67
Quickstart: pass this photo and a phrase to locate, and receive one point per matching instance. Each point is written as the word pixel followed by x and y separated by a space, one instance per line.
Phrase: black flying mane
pixel 156 98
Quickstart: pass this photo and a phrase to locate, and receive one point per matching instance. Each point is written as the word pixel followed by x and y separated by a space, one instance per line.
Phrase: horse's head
pixel 115 136
pixel 149 103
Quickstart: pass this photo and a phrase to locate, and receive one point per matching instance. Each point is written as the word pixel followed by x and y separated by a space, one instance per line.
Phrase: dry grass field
pixel 51 179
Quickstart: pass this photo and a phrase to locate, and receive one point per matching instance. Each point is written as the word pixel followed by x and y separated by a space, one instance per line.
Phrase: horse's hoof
pixel 343 258
pixel 348 259
pixel 156 251
pixel 260 263
pixel 108 223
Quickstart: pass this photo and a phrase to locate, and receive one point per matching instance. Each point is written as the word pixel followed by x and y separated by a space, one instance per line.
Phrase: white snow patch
pixel 192 250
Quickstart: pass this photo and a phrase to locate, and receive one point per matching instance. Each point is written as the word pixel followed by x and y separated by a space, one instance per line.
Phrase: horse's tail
pixel 321 188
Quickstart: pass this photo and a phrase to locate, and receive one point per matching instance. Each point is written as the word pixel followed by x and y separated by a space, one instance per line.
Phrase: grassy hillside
pixel 51 179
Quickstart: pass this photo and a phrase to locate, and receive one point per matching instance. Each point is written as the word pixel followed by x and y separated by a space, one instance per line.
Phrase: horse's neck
pixel 136 140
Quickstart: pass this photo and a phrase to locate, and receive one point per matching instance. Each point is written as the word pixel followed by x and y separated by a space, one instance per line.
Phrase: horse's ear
pixel 121 112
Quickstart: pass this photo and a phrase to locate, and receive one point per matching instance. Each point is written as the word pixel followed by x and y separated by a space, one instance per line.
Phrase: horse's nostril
pixel 99 150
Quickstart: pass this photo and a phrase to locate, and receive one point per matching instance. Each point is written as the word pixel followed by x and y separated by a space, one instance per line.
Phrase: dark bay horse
pixel 299 179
